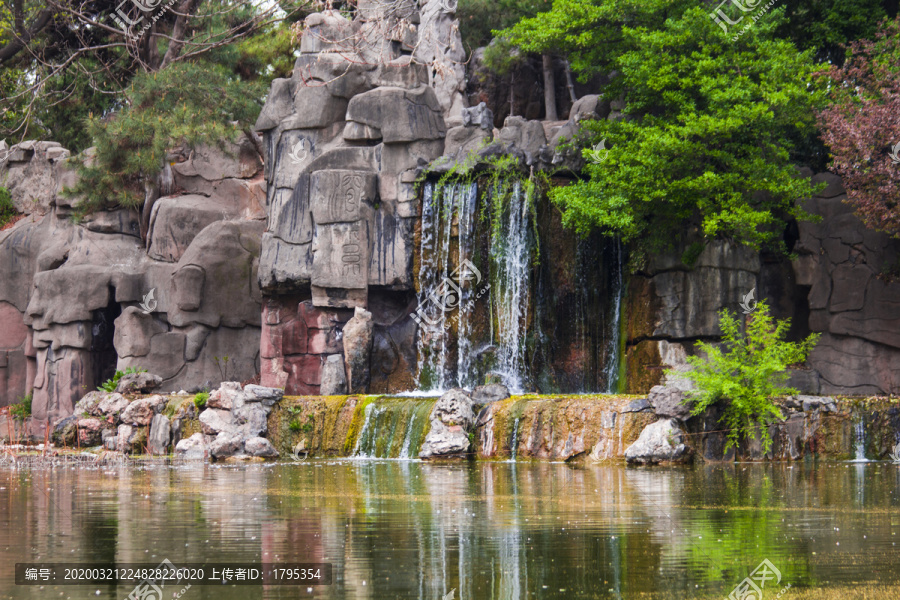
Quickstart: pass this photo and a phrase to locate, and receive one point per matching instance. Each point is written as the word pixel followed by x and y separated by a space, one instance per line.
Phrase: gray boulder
pixel 88 404
pixel 226 444
pixel 662 441
pixel 192 448
pixel 111 404
pixel 334 377
pixel 140 412
pixel 452 418
pixel 214 421
pixel 485 394
pixel 258 446
pixel 252 420
pixel 667 402
pixel 478 116
pixel 138 383
pixel 359 333
pixel 158 442
pixel 228 397
pixel 268 396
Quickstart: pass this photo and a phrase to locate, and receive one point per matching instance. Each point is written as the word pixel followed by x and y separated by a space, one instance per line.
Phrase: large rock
pixel 192 448
pixel 138 383
pixel 111 404
pixel 214 421
pixel 267 396
pixel 668 401
pixel 452 418
pixel 160 430
pixel 334 376
pixel 359 333
pixel 662 441
pixel 89 431
pixel 226 445
pixel 261 447
pixel 400 115
pixel 140 412
pixel 485 394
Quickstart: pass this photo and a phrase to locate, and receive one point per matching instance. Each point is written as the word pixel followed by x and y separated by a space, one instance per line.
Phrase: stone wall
pixel 346 138
pixel 838 285
pixel 80 299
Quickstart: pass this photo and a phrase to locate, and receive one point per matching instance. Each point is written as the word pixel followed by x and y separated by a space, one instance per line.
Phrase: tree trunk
pixel 549 90
pixel 570 85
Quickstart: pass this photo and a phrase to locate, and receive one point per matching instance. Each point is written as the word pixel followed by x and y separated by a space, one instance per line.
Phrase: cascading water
pixel 859 430
pixel 446 287
pixel 393 428
pixel 510 286
pixel 612 349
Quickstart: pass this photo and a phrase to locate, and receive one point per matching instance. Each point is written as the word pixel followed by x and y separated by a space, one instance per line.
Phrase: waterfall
pixel 446 287
pixel 510 289
pixel 860 433
pixel 514 442
pixel 393 428
pixel 612 348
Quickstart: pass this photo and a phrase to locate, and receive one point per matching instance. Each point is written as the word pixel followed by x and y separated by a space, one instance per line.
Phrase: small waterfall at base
pixel 859 429
pixel 393 428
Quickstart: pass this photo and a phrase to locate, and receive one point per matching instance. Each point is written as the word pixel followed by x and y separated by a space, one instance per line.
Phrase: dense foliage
pixel 162 110
pixel 110 384
pixel 7 208
pixel 22 409
pixel 708 129
pixel 745 372
pixel 862 127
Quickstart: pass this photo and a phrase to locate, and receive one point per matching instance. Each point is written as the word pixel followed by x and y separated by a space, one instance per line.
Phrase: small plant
pixel 222 365
pixel 110 384
pixel 7 208
pixel 200 399
pixel 295 425
pixel 22 410
pixel 748 374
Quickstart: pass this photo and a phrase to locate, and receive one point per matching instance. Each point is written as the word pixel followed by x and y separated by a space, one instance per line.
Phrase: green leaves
pixel 162 111
pixel 711 129
pixel 745 372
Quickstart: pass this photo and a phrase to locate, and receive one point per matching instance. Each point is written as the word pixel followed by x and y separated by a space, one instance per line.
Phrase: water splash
pixel 859 429
pixel 393 428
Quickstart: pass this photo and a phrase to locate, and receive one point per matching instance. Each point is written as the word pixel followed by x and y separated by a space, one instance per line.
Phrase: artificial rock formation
pixel 78 301
pixel 346 137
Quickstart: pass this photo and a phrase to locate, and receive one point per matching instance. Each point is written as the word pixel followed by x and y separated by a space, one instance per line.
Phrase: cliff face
pixel 838 285
pixel 80 299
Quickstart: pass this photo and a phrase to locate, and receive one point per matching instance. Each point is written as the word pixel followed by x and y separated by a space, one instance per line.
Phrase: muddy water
pixel 406 529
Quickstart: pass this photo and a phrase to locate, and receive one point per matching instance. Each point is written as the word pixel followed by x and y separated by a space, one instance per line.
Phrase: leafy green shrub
pixel 161 111
pixel 22 410
pixel 295 425
pixel 748 374
pixel 7 208
pixel 110 384
pixel 200 399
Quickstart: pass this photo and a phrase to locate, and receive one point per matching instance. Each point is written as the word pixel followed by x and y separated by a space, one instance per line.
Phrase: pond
pixel 504 530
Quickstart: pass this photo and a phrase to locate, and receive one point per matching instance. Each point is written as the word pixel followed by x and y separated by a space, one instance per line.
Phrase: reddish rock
pixel 294 340
pixel 305 368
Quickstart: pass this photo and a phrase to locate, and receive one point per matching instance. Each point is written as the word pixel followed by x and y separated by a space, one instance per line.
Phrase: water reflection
pixel 402 529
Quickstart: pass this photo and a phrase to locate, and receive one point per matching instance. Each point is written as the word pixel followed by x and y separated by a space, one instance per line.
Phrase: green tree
pixel 711 127
pixel 161 111
pixel 746 372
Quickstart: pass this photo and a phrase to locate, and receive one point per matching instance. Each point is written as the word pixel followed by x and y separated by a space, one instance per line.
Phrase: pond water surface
pixel 407 529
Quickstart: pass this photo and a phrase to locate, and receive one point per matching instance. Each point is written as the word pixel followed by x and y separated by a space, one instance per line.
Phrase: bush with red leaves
pixel 861 127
